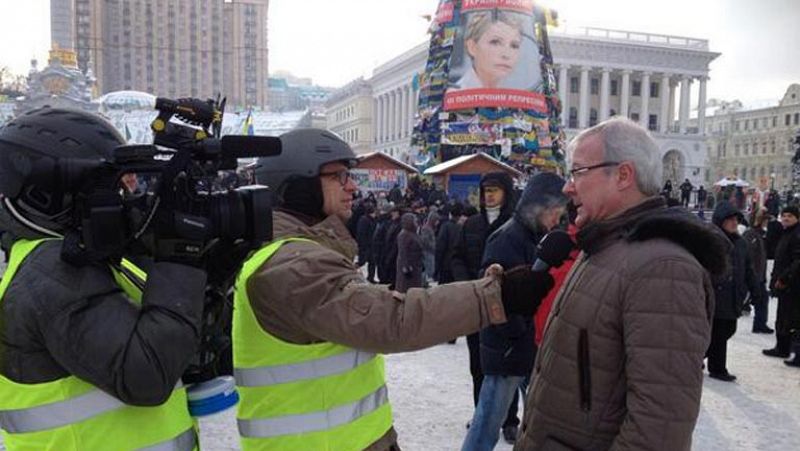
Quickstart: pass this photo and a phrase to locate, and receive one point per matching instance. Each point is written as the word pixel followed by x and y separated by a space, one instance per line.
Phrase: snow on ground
pixel 431 393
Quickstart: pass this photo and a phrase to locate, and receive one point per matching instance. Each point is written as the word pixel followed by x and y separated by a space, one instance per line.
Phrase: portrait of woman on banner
pixel 496 54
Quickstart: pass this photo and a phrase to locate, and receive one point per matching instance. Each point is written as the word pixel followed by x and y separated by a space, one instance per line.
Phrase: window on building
pixel 652 122
pixel 594 86
pixel 654 89
pixel 637 89
pixel 755 124
pixel 736 172
pixel 573 117
pixel 762 171
pixel 774 121
pixel 752 173
pixel 738 123
pixel 592 117
pixel 772 146
pixel 614 87
pixel 764 148
pixel 573 85
pixel 612 112
pixel 635 117
pixel 747 124
pixel 796 118
pixel 788 120
pixel 719 151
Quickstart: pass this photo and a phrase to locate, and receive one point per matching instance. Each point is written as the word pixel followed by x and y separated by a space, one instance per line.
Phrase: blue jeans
pixel 761 309
pixel 496 395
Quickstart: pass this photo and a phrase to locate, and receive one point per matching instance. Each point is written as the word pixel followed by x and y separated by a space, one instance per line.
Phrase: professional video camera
pixel 180 217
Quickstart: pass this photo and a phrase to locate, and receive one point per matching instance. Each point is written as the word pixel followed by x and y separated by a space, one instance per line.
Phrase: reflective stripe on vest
pixel 69 414
pixel 62 413
pixel 302 396
pixel 281 374
pixel 315 421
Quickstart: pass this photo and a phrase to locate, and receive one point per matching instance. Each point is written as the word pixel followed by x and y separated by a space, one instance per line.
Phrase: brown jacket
pixel 620 364
pixel 310 292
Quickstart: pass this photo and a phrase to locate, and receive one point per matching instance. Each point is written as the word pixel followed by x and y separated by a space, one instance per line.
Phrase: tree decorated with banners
pixel 489 86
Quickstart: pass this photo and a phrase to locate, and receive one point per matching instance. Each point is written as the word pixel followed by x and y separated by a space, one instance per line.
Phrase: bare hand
pixel 494 270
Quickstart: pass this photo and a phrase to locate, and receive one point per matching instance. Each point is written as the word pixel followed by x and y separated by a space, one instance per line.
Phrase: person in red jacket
pixel 559 275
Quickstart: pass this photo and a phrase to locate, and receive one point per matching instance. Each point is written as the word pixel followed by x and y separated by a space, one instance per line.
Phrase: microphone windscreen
pixel 554 248
pixel 245 146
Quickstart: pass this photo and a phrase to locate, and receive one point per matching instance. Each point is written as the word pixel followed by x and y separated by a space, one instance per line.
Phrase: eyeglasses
pixel 576 172
pixel 343 175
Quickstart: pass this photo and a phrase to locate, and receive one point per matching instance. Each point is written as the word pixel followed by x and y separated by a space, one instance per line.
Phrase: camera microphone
pixel 552 250
pixel 246 146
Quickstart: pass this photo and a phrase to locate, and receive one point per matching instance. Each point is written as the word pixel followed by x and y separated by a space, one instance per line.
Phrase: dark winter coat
pixel 774 233
pixel 468 252
pixel 509 349
pixel 446 241
pixel 787 270
pixel 388 265
pixel 754 237
pixel 378 237
pixel 620 365
pixel 364 232
pixel 731 289
pixel 60 320
pixel 409 256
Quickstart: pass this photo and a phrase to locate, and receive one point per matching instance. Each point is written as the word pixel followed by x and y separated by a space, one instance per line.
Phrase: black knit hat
pixel 792 210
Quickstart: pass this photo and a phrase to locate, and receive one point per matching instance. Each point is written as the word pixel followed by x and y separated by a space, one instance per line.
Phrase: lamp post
pixel 772 181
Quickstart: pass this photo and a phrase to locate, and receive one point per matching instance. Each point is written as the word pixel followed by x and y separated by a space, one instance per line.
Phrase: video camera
pixel 182 216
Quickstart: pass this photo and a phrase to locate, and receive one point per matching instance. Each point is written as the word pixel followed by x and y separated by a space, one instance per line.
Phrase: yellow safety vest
pixel 69 414
pixel 320 396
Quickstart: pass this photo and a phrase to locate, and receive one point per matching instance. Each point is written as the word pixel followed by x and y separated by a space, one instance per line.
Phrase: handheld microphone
pixel 552 250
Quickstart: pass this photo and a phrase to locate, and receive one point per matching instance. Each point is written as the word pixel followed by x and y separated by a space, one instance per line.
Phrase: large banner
pixel 495 60
pixel 379 179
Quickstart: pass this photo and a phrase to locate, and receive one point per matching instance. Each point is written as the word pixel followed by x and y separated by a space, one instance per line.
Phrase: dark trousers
pixel 721 331
pixel 761 308
pixel 474 345
pixel 371 270
pixel 685 199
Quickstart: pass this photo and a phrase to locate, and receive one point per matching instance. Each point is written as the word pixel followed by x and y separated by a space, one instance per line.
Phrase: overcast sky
pixel 336 41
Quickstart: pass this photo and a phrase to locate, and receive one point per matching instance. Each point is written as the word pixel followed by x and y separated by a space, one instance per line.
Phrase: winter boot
pixel 782 347
pixel 796 349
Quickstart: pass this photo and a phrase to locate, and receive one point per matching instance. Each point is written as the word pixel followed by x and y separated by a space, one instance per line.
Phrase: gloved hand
pixel 523 289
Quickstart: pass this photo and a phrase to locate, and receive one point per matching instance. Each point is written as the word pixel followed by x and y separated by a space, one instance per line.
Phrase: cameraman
pixel 88 360
pixel 308 328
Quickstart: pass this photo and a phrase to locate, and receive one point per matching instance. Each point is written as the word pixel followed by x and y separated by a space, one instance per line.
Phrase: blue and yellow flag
pixel 247 126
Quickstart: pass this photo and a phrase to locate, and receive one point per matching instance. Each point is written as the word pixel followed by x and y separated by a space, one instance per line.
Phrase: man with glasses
pixel 620 364
pixel 308 329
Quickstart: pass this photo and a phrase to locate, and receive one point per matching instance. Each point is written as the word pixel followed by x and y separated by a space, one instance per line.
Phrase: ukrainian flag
pixel 247 126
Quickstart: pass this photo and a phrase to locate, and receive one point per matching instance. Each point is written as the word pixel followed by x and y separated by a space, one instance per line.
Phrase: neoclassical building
pixel 654 79
pixel 754 143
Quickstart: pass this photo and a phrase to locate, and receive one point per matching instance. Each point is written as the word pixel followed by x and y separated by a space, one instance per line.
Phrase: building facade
pixel 349 114
pixel 754 144
pixel 600 73
pixel 172 48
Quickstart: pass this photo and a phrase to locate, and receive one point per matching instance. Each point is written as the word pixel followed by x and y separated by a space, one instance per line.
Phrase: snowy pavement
pixel 431 393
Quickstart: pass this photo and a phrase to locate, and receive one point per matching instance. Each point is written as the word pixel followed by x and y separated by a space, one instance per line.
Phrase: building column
pixel 403 110
pixel 701 107
pixel 583 105
pixel 386 105
pixel 663 118
pixel 644 112
pixel 410 111
pixel 686 87
pixel 672 85
pixel 625 93
pixel 563 93
pixel 605 87
pixel 393 117
pixel 398 118
pixel 376 105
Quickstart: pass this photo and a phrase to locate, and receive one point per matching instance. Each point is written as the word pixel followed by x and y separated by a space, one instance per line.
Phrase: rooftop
pixel 632 37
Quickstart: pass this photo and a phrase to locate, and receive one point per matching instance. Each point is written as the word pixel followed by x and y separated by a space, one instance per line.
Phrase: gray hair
pixel 625 140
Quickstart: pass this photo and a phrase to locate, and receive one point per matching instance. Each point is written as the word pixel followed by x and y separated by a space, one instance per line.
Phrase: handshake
pixel 523 287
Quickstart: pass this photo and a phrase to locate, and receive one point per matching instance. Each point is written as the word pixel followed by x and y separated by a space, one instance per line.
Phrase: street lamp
pixel 772 181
